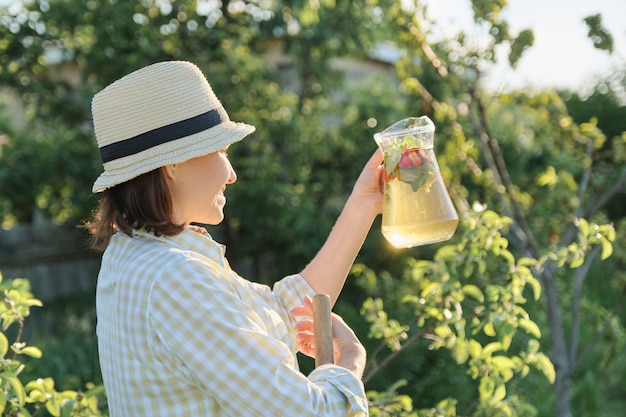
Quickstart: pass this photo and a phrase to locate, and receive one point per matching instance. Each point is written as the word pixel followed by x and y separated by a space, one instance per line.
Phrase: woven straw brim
pixel 174 152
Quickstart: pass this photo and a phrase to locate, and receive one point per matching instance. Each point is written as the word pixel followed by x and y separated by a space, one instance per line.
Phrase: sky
pixel 562 55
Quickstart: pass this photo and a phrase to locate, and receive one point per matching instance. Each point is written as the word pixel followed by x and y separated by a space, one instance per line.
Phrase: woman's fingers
pixel 343 335
pixel 304 310
pixel 305 337
pixel 304 326
pixel 301 311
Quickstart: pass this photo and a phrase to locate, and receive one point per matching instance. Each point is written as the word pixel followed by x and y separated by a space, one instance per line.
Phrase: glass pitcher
pixel 417 209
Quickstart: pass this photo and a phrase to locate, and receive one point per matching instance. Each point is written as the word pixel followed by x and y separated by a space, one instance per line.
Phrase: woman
pixel 179 332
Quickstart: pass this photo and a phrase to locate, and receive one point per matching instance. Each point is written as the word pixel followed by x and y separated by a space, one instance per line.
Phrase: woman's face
pixel 197 187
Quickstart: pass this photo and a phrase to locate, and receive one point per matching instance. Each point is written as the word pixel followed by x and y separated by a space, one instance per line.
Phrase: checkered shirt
pixel 181 334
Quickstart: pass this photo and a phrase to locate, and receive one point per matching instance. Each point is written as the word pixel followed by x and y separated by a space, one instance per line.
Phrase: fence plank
pixel 54 258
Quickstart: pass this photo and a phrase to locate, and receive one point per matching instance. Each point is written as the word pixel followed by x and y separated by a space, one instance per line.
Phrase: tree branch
pixel 559 356
pixel 584 181
pixel 494 158
pixel 596 339
pixel 395 353
pixel 579 279
pixel 604 199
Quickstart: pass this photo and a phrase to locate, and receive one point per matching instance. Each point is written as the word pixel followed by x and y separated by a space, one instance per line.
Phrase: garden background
pixel 520 314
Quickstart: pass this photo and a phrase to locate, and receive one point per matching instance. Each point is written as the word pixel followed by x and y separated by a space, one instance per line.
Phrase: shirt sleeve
pixel 217 328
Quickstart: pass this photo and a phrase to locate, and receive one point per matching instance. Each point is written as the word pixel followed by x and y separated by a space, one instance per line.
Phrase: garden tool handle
pixel 323 330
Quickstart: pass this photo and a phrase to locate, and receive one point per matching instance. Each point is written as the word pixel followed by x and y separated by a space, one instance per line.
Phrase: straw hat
pixel 162 114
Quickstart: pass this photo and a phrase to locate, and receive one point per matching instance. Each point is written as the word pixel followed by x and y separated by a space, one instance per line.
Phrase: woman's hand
pixel 368 189
pixel 347 349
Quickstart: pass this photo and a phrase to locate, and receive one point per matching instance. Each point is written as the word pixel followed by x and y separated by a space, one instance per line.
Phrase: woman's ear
pixel 169 171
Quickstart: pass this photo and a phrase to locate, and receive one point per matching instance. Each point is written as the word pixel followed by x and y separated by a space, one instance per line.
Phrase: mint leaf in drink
pixel 410 165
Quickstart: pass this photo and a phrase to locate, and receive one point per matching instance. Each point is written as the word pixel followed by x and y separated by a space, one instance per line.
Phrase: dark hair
pixel 143 202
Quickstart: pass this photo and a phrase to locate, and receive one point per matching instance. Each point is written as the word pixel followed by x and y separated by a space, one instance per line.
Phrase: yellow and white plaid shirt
pixel 181 334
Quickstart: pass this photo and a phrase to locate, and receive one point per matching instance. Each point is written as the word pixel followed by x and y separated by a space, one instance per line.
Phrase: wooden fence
pixel 54 258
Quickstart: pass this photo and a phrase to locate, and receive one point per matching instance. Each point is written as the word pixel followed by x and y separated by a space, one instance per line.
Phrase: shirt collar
pixel 192 238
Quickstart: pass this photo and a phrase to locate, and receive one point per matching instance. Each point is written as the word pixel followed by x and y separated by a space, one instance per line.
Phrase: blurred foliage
pixel 468 300
pixel 537 178
pixel 599 35
pixel 24 396
pixel 65 332
pixel 604 105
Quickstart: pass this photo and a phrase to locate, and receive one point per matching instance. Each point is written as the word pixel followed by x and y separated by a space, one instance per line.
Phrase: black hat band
pixel 161 135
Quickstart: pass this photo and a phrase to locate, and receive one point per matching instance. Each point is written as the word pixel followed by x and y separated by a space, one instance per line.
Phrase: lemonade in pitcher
pixel 417 209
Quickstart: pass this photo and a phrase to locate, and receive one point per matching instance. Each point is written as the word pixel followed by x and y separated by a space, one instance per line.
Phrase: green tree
pixel 523 154
pixel 463 333
pixel 290 154
pixel 468 301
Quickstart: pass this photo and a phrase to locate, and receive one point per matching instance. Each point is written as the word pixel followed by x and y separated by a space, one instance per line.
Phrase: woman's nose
pixel 233 176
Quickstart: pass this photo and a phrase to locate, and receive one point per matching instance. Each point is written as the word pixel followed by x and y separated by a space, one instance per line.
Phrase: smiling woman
pixel 179 332
pixel 197 188
pixel 162 135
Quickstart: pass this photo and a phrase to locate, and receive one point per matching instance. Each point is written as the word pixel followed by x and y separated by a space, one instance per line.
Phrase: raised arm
pixel 328 270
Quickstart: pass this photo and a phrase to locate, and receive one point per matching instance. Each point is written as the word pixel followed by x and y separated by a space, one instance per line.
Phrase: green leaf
pixel 475 349
pixel 460 352
pixel 391 161
pixel 309 15
pixel 491 293
pixel 508 256
pixel 32 351
pixel 446 253
pixel 530 327
pixel 524 40
pixel 53 407
pixel 583 226
pixel 416 176
pixel 545 366
pixel 578 261
pixel 482 266
pixel 607 248
pixel 502 363
pixel 16 384
pixel 526 261
pixel 536 286
pixel 431 289
pixel 609 231
pixel 489 330
pixel 34 302
pixel 474 292
pixel 92 403
pixel 498 394
pixel 442 331
pixel 599 35
pixel 548 178
pixel 67 408
pixel 505 333
pixel 486 388
pixel 4 345
pixel 36 396
pixel 42 384
pixel 490 348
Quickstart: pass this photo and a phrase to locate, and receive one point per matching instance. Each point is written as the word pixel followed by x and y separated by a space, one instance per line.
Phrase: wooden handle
pixel 322 327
